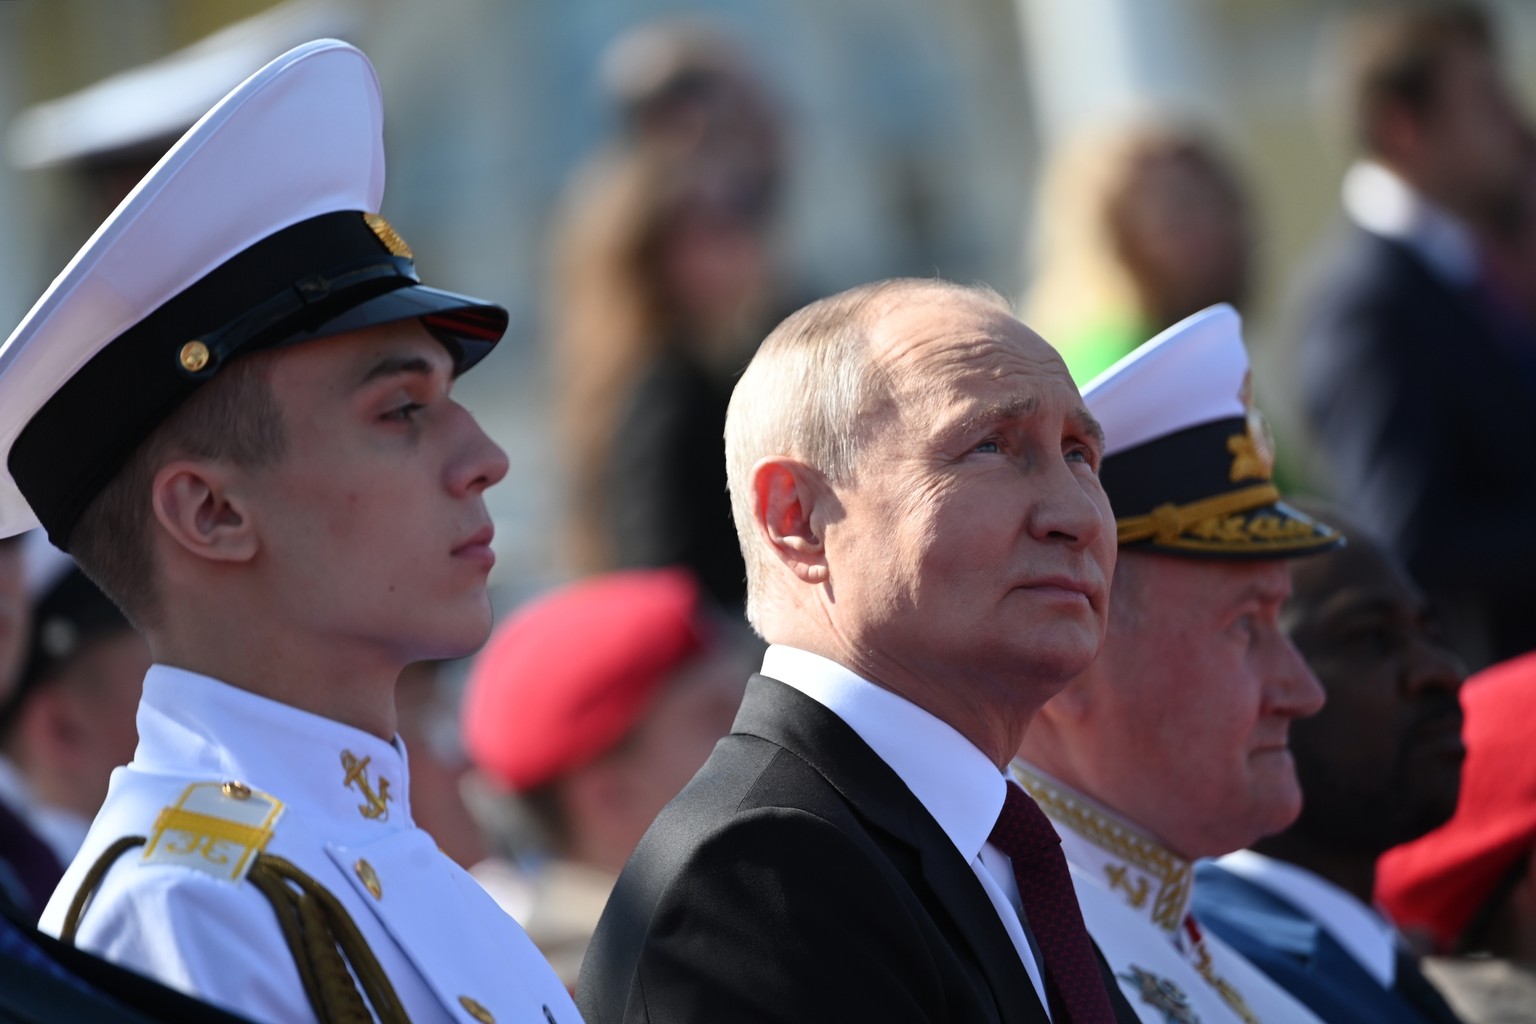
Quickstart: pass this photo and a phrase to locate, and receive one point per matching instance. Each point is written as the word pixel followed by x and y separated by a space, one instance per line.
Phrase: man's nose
pixel 1069 507
pixel 1431 666
pixel 479 462
pixel 1292 688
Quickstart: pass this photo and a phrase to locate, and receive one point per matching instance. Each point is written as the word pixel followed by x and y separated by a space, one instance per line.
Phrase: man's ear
pixel 198 505
pixel 785 494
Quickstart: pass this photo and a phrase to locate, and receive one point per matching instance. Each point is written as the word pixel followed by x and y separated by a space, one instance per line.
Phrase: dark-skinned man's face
pixel 1381 764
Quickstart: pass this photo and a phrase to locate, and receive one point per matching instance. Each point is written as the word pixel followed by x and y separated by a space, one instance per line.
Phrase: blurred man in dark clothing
pixel 1379 765
pixel 1419 383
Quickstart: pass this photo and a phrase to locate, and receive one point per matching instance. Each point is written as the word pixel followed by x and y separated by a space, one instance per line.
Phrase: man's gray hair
pixel 803 397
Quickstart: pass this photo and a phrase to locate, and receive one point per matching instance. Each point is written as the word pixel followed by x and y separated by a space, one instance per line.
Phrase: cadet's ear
pixel 785 493
pixel 197 504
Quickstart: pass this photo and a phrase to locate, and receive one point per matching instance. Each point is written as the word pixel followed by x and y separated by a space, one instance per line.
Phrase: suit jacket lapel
pixel 784 716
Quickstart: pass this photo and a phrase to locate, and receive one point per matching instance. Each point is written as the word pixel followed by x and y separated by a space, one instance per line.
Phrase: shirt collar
pixel 193 724
pixel 1365 934
pixel 1148 877
pixel 1385 205
pixel 948 774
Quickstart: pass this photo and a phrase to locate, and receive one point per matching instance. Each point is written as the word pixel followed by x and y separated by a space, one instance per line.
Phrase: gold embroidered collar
pixel 1153 880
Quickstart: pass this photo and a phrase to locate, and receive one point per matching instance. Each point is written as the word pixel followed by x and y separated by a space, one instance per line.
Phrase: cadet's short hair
pixel 1395 55
pixel 802 397
pixel 234 417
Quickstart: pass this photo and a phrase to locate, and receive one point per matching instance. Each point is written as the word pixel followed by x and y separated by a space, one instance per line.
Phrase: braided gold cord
pixel 93 879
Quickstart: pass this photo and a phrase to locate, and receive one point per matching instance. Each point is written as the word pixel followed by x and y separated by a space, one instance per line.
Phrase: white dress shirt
pixel 1365 934
pixel 1383 204
pixel 954 781
pixel 332 800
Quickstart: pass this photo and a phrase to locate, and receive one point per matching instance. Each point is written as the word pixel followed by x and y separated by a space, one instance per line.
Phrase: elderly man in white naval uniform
pixel 233 408
pixel 1172 746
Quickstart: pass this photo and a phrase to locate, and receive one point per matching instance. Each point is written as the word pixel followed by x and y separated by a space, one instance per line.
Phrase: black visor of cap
pixel 320 277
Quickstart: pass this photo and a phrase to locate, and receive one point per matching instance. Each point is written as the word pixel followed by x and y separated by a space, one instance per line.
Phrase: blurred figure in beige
pixel 1141 223
pixel 664 285
pixel 586 713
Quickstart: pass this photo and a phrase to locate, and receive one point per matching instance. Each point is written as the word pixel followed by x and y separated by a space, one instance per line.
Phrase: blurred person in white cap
pixel 1172 745
pixel 234 409
pixel 69 720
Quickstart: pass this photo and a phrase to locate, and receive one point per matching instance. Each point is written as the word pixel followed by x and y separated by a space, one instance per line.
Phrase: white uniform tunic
pixel 1135 897
pixel 332 800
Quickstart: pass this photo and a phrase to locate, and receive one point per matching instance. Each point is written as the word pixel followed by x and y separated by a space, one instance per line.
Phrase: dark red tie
pixel 1072 978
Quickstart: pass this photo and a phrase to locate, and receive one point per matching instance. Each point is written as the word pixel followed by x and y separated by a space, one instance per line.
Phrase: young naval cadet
pixel 1172 745
pixel 234 409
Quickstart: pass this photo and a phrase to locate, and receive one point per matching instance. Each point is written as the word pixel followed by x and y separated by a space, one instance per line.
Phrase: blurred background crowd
pixel 650 185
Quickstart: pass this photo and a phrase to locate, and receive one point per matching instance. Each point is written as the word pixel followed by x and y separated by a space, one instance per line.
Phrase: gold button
pixel 194 356
pixel 236 790
pixel 370 878
pixel 476 1011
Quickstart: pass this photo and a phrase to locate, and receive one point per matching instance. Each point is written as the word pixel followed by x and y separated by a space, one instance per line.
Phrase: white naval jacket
pixel 1135 894
pixel 332 800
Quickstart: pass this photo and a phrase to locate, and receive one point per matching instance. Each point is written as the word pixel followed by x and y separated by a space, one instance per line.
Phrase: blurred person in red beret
pixel 1469 886
pixel 591 708
pixel 1379 765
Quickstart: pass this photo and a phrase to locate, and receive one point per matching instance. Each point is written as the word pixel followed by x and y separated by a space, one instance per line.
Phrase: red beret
pixel 1439 881
pixel 567 677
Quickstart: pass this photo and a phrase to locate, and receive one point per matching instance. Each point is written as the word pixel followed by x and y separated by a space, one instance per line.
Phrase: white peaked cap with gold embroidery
pixel 259 228
pixel 1189 463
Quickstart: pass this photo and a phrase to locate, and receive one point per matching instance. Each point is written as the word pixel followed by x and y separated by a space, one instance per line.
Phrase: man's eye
pixel 404 413
pixel 988 446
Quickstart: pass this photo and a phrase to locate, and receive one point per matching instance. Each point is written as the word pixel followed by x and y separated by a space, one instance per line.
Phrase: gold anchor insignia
pixel 377 806
pixel 1253 452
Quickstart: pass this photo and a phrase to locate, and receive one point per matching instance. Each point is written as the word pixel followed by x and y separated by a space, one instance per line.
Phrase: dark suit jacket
pixel 1423 399
pixel 1302 958
pixel 796 878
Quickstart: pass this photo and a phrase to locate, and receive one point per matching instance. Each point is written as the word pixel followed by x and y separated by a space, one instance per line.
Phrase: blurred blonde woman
pixel 1140 224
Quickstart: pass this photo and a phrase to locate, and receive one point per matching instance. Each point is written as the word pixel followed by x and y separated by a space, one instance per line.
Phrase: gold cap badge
pixel 388 235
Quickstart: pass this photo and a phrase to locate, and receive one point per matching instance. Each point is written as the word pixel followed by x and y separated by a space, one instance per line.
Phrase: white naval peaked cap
pixel 258 228
pixel 1200 362
pixel 1189 463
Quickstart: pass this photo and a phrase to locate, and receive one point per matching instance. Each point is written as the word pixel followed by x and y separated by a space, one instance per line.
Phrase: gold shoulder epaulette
pixel 214 827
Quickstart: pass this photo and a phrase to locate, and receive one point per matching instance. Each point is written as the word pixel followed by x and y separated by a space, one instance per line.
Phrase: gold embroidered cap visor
pixel 1207 492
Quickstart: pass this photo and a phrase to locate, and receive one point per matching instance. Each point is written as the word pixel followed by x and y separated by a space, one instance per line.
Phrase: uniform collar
pixel 954 781
pixel 193 724
pixel 1385 205
pixel 1363 933
pixel 1146 876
